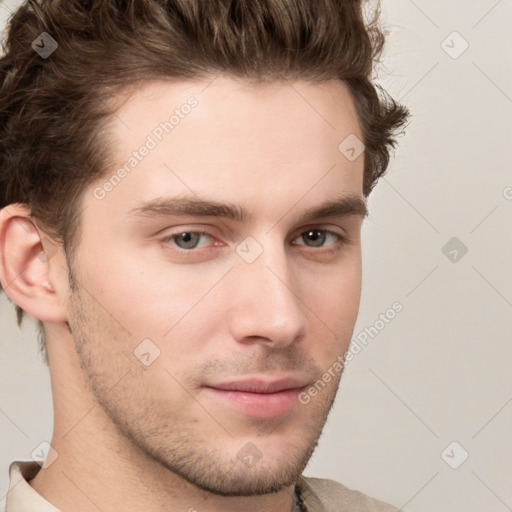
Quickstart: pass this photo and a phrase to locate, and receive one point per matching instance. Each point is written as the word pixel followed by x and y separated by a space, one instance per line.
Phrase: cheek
pixel 146 299
pixel 336 306
pixel 337 288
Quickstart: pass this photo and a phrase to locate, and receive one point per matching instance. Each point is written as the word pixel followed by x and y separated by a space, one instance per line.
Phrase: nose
pixel 267 306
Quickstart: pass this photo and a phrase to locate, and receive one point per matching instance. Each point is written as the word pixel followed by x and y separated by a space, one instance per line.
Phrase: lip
pixel 257 397
pixel 255 385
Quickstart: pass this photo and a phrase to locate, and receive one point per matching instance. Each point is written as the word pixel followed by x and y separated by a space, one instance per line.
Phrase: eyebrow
pixel 194 207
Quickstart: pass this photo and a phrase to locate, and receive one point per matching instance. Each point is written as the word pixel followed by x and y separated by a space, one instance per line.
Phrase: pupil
pixel 315 236
pixel 187 239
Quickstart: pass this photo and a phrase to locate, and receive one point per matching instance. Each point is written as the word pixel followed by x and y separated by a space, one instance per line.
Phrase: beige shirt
pixel 316 494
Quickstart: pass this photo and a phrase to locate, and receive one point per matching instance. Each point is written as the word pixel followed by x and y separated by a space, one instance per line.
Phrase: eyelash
pixel 340 239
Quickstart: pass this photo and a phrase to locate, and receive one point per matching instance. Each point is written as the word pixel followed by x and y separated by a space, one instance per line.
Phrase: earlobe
pixel 24 265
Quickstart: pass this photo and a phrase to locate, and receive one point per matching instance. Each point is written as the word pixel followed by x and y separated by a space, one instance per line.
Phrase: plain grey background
pixel 424 413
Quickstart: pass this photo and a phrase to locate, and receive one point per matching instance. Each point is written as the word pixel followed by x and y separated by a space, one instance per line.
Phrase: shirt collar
pixel 21 497
pixel 308 498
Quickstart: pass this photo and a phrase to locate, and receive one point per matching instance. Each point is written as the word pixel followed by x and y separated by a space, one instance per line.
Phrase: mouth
pixel 257 397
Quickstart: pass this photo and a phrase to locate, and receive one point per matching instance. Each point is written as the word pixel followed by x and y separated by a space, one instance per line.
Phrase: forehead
pixel 223 98
pixel 232 139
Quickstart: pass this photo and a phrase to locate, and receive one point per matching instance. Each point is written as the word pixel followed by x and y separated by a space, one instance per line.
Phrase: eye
pixel 186 240
pixel 317 237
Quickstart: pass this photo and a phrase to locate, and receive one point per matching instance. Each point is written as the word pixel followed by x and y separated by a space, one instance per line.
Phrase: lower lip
pixel 262 405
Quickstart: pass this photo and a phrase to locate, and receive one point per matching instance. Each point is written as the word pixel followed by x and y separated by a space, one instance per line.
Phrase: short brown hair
pixel 52 109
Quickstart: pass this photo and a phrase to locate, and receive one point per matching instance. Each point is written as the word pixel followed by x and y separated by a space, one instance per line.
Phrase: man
pixel 182 189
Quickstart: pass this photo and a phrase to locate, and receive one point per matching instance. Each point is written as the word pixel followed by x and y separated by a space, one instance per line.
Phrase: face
pixel 210 292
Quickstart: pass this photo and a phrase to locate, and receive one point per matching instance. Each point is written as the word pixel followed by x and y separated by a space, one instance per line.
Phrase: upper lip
pixel 260 386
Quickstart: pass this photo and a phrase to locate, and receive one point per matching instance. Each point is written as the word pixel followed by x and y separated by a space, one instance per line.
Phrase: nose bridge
pixel 267 304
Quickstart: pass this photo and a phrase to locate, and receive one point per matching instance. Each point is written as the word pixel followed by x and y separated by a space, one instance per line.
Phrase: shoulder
pixel 325 495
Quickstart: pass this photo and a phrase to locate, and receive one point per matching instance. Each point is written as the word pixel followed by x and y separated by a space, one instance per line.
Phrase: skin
pixel 130 436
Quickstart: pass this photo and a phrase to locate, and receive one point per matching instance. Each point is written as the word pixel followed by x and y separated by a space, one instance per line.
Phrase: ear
pixel 25 257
